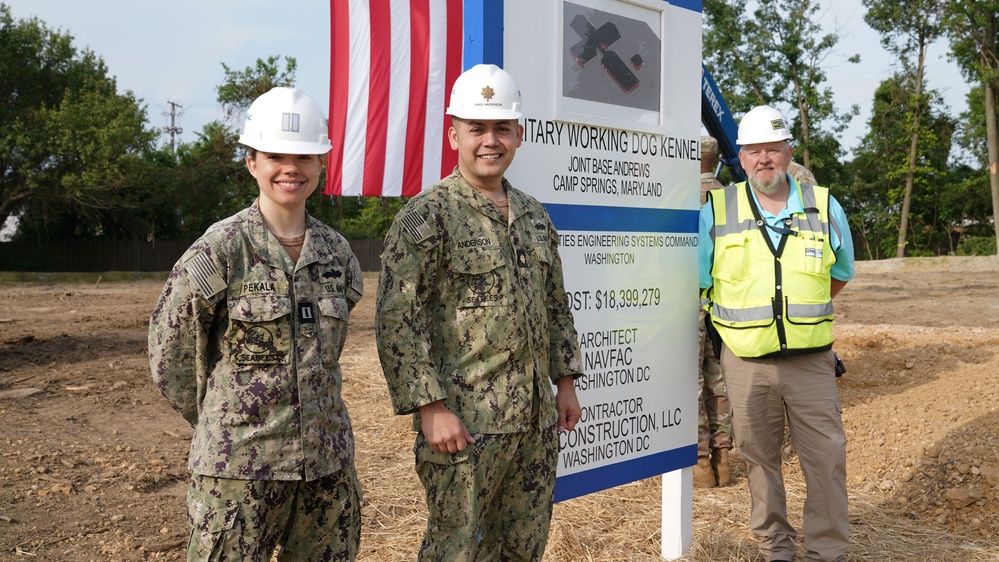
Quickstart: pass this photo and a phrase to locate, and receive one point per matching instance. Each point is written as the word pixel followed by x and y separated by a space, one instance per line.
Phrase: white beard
pixel 769 187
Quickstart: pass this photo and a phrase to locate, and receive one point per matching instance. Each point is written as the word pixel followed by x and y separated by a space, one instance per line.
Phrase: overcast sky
pixel 172 51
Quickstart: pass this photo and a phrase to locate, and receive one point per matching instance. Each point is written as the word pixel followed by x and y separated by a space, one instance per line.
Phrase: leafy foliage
pixel 875 199
pixel 977 246
pixel 907 29
pixel 776 56
pixel 973 29
pixel 358 217
pixel 69 142
pixel 241 87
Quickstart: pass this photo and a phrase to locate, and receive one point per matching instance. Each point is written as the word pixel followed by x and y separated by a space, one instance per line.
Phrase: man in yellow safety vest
pixel 773 253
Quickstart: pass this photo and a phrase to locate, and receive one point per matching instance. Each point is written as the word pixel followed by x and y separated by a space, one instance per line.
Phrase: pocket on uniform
pixel 737 264
pixel 811 308
pixel 333 307
pixel 813 255
pixel 481 276
pixel 260 329
pixel 449 483
pixel 814 287
pixel 544 254
pixel 333 319
pixel 210 519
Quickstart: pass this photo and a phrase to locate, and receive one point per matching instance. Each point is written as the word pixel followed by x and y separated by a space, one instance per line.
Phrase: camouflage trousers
pixel 492 501
pixel 246 520
pixel 714 415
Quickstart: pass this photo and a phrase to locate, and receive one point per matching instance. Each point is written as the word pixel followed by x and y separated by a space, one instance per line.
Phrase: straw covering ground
pixel 92 460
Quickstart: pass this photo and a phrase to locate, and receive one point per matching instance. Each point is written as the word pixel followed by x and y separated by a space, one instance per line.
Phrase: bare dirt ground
pixel 93 462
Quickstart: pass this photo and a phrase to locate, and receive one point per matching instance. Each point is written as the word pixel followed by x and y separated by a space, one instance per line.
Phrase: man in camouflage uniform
pixel 714 416
pixel 245 342
pixel 473 329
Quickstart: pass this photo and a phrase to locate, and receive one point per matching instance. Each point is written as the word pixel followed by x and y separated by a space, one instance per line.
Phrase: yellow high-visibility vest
pixel 766 299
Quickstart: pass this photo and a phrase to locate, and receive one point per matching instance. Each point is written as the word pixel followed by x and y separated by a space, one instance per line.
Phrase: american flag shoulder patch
pixel 417 227
pixel 206 274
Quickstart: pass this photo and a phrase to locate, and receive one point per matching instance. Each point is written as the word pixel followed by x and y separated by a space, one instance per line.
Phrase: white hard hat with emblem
pixel 286 121
pixel 485 91
pixel 761 125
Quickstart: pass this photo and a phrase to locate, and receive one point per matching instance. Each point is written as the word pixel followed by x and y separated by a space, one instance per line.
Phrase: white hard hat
pixel 286 121
pixel 485 91
pixel 763 124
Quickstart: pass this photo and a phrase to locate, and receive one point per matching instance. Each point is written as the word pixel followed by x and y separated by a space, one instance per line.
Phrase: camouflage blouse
pixel 472 310
pixel 245 344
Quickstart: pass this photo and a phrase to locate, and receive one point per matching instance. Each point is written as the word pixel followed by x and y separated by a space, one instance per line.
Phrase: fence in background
pixel 85 256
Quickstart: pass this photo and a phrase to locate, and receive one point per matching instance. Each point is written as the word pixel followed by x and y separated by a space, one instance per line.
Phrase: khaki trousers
pixel 762 391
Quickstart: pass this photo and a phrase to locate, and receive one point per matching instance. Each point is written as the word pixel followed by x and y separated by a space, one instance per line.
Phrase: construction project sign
pixel 611 148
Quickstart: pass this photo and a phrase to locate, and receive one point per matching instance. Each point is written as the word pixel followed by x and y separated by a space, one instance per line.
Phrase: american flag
pixel 392 65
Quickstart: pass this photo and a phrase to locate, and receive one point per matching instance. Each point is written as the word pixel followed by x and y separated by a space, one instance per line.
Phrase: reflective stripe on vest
pixel 768 299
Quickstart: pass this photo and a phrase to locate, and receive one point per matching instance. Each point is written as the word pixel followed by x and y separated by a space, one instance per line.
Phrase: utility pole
pixel 173 130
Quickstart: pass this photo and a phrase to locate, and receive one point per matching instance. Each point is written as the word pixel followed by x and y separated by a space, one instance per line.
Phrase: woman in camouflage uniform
pixel 245 342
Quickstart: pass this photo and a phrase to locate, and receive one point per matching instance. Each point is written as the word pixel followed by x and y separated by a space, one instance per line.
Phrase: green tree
pixel 212 180
pixel 977 230
pixel 241 87
pixel 67 137
pixel 882 165
pixel 358 217
pixel 206 182
pixel 776 56
pixel 825 157
pixel 972 26
pixel 209 180
pixel 748 77
pixel 907 28
pixel 971 135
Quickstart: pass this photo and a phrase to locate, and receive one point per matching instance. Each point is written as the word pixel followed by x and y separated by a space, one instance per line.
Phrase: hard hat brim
pixel 750 141
pixel 485 114
pixel 286 147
